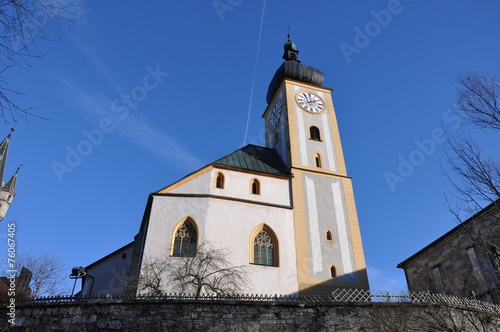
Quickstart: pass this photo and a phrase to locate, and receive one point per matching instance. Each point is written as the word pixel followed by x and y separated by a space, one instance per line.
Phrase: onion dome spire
pixel 293 69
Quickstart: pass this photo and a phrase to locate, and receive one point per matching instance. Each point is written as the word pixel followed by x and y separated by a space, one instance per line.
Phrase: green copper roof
pixel 255 158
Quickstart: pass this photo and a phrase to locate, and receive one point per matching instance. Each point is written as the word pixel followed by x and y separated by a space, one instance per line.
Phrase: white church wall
pixel 237 185
pixel 228 224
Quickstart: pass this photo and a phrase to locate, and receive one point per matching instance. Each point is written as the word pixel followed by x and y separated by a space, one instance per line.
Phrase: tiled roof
pixel 255 158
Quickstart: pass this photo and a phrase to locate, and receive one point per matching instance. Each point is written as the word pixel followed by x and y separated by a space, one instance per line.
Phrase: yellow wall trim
pixel 185 179
pixel 289 207
pixel 320 171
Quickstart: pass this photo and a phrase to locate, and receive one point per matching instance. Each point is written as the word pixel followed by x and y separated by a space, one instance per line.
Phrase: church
pixel 8 189
pixel 284 211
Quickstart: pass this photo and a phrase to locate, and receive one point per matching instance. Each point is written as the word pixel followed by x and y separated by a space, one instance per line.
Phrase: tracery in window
pixel 265 247
pixel 185 240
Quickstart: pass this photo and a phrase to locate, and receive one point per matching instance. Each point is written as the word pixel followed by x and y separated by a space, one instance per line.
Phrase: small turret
pixel 4 149
pixel 8 190
pixel 291 52
pixel 8 193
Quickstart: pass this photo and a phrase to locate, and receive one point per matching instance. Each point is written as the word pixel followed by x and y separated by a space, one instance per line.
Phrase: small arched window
pixel 255 187
pixel 185 240
pixel 333 271
pixel 314 133
pixel 317 159
pixel 329 235
pixel 219 181
pixel 265 247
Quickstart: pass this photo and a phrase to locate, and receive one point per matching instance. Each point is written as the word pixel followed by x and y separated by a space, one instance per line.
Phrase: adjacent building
pixel 463 262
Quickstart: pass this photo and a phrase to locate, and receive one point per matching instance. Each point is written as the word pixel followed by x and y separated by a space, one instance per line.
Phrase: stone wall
pixel 228 315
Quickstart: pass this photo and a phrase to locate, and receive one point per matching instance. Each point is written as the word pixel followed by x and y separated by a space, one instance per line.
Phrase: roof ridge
pixel 243 158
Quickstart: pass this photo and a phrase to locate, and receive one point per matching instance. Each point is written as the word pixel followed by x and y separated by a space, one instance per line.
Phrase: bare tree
pixel 477 100
pixel 48 274
pixel 152 279
pixel 474 174
pixel 23 22
pixel 208 272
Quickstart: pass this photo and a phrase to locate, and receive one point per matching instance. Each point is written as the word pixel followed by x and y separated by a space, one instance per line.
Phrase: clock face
pixel 274 117
pixel 310 102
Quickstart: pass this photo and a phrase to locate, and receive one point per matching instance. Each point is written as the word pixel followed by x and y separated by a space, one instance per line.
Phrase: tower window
pixel 317 159
pixel 219 181
pixel 333 271
pixel 329 235
pixel 265 247
pixel 255 187
pixel 185 240
pixel 314 133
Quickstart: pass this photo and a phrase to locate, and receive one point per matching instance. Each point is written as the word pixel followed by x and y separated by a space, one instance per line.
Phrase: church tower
pixel 301 126
pixel 8 189
pixel 7 194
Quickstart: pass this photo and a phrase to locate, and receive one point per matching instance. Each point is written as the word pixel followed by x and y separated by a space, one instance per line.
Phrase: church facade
pixel 285 211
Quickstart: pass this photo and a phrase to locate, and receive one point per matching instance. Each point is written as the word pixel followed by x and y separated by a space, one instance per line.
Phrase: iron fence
pixel 338 296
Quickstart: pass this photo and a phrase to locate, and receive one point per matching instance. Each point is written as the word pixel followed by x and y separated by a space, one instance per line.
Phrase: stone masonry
pixel 229 315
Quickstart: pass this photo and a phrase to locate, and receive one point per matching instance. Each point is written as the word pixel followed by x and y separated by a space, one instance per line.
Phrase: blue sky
pixel 140 95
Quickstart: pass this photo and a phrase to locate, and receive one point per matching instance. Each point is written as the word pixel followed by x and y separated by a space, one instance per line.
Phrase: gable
pixel 250 159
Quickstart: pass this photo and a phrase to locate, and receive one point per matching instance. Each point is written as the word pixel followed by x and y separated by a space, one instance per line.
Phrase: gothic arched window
pixel 314 133
pixel 185 240
pixel 265 247
pixel 255 187
pixel 219 181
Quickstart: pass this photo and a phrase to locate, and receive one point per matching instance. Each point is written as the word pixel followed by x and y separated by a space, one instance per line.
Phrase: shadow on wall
pixel 358 279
